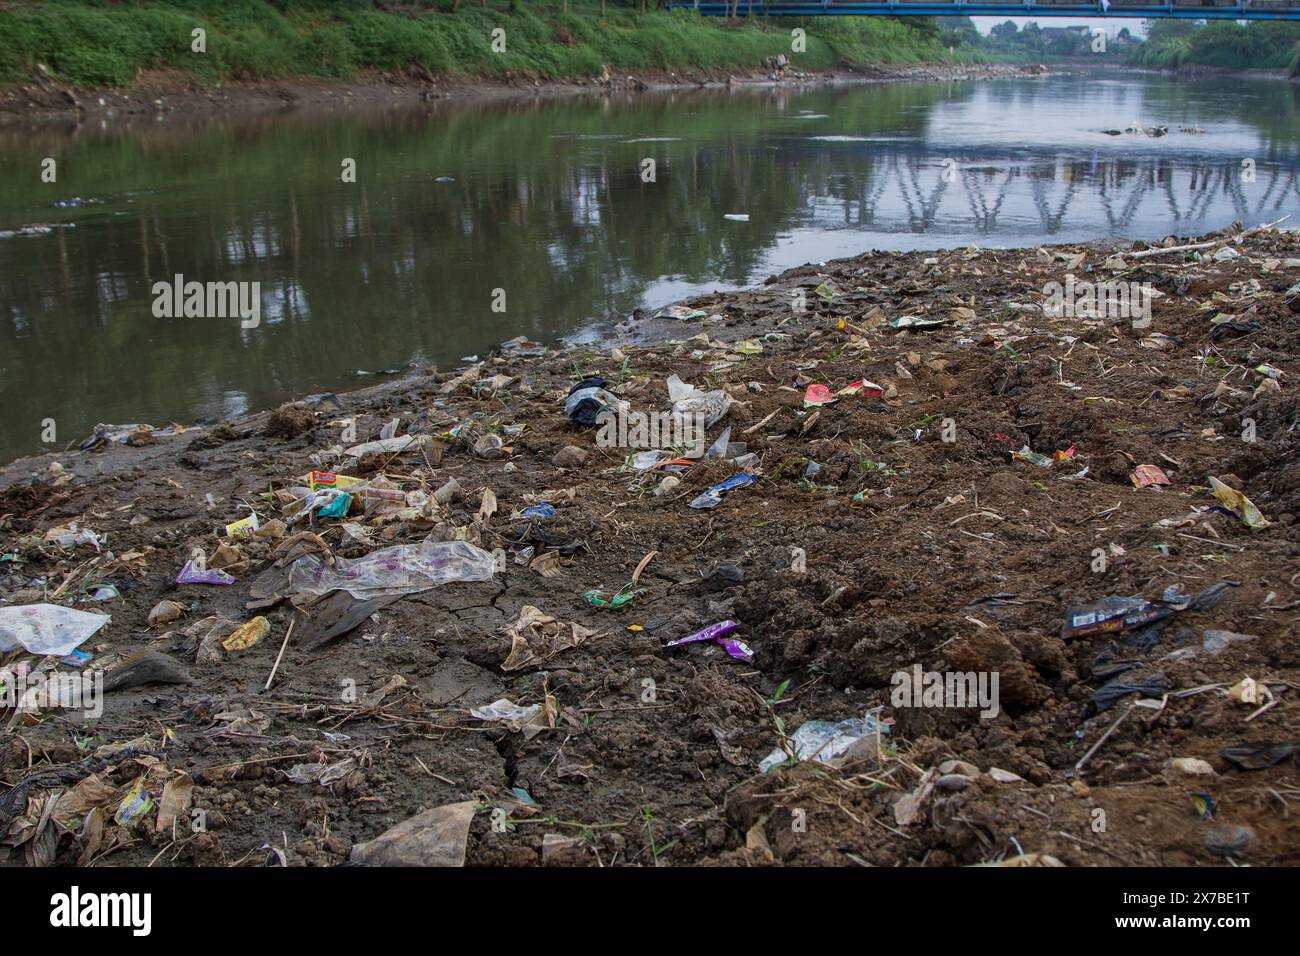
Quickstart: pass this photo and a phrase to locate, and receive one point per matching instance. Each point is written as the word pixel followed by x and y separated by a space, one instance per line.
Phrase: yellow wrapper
pixel 243 528
pixel 248 635
pixel 1239 505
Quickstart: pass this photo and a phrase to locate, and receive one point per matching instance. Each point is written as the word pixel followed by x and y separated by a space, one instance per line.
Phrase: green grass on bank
pixel 98 42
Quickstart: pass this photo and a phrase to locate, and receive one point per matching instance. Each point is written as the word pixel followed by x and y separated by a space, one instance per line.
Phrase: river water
pixel 544 208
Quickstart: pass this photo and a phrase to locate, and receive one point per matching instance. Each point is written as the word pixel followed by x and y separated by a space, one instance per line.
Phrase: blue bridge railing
pixel 1141 9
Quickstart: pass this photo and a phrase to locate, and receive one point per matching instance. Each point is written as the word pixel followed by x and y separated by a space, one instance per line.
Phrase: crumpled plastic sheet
pixel 47 628
pixel 397 570
pixel 829 741
pixel 1110 694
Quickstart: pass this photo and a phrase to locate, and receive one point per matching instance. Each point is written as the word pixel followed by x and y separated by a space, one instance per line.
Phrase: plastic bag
pixel 688 401
pixel 400 569
pixel 829 741
pixel 47 628
pixel 394 446
pixel 588 399
pixel 713 496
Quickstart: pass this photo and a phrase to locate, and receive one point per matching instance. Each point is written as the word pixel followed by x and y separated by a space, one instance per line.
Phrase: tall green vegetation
pixel 1174 44
pixel 107 42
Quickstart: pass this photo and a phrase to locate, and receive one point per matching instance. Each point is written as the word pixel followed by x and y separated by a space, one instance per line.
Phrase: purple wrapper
pixel 191 575
pixel 739 650
pixel 710 633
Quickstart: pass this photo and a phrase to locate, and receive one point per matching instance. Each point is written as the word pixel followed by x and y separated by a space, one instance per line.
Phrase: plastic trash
pixel 688 401
pixel 1110 694
pixel 134 805
pixel 1248 756
pixel 1112 614
pixel 530 720
pixel 247 635
pixel 681 313
pixel 1239 505
pixel 386 445
pixel 397 570
pixel 824 741
pixel 436 837
pixel 817 395
pixel 713 496
pixel 192 575
pixel 588 399
pixel 47 628
pixel 543 512
pixel 521 346
pixel 69 536
pixel 316 480
pixel 917 322
pixel 620 598
pixel 1216 642
pixel 1144 475
pixel 243 528
pixel 338 507
pixel 718 634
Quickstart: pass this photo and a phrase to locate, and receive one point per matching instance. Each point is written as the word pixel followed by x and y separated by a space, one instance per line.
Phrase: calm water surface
pixel 546 201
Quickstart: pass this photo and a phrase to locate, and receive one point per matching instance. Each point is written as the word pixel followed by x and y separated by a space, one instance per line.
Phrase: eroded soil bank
pixel 167 94
pixel 927 543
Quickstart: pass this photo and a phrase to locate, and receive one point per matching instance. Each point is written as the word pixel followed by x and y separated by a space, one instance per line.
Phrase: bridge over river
pixel 1142 9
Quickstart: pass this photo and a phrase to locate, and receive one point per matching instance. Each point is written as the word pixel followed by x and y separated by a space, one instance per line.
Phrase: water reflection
pixel 549 202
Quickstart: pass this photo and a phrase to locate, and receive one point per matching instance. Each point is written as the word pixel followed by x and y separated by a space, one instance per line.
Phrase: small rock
pixel 1080 788
pixel 668 485
pixel 1004 776
pixel 722 576
pixel 1190 765
pixel 570 456
pixel 959 766
pixel 1230 839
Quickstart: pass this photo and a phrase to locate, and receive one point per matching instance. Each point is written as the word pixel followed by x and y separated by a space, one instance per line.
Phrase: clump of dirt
pixel 289 421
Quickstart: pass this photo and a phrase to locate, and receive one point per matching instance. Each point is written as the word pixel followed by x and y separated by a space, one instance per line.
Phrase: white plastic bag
pixel 47 628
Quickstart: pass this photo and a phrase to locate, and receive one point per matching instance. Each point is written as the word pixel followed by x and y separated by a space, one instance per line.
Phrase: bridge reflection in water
pixel 921 193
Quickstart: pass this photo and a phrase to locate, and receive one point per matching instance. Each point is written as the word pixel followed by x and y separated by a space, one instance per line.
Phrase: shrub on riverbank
pixel 94 42
pixel 1174 44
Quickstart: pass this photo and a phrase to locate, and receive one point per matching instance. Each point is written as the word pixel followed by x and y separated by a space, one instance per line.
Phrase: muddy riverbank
pixel 176 95
pixel 979 480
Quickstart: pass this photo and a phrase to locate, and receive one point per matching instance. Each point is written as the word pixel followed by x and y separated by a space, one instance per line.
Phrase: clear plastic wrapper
pixel 400 569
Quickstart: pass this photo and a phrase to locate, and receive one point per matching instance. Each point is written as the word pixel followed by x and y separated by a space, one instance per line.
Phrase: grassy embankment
pixel 97 43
